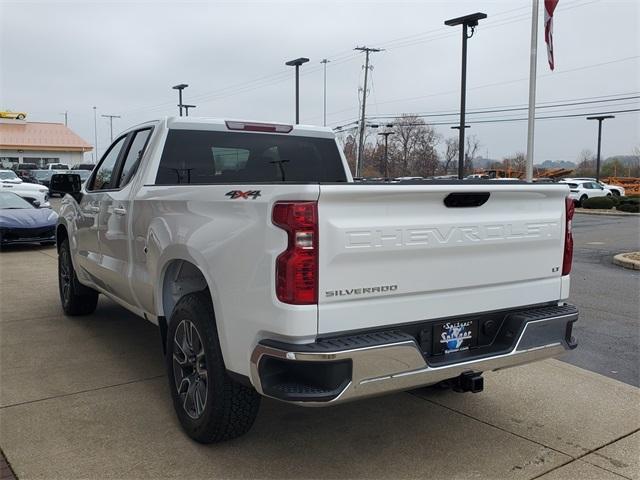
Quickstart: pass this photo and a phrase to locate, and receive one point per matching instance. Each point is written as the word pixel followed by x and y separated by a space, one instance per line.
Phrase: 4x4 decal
pixel 235 194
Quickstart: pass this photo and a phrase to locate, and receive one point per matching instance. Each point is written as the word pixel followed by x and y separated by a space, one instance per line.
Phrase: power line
pixel 499 110
pixel 506 108
pixel 494 84
pixel 502 120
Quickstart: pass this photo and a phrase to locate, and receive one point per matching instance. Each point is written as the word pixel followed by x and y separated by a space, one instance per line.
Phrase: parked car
pixel 616 190
pixel 33 193
pixel 270 273
pixel 581 190
pixel 57 166
pixel 25 166
pixel 83 166
pixel 22 222
pixel 14 115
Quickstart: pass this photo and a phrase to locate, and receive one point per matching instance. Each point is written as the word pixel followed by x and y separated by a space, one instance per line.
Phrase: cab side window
pixel 131 162
pixel 104 173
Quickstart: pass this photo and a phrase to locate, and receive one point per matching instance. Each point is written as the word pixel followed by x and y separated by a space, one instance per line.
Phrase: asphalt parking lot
pixel 87 397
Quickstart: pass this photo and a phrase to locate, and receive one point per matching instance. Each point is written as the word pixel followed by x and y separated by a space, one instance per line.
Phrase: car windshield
pixel 10 200
pixel 7 175
pixel 42 174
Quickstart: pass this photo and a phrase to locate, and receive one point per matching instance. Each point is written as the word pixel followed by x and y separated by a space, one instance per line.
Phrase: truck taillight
pixel 297 266
pixel 568 237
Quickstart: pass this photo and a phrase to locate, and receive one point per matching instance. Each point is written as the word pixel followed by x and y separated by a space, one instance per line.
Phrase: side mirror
pixel 65 183
pixel 36 203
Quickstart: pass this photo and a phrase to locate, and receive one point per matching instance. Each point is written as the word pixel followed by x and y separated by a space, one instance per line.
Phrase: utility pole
pixel 65 117
pixel 367 51
pixel 111 117
pixel 180 87
pixel 600 119
pixel 186 109
pixel 468 21
pixel 325 61
pixel 386 156
pixel 95 131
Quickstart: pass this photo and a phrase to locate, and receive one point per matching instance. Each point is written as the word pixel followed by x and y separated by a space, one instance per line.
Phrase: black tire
pixel 616 193
pixel 20 117
pixel 228 409
pixel 582 200
pixel 76 299
pixel 608 194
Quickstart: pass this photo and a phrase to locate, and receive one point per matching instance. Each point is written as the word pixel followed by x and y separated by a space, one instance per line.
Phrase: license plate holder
pixel 454 336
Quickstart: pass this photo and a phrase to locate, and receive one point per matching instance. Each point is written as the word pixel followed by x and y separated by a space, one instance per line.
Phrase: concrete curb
pixel 612 213
pixel 623 261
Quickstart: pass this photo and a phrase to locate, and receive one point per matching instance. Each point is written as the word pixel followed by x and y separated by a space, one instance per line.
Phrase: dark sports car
pixel 21 222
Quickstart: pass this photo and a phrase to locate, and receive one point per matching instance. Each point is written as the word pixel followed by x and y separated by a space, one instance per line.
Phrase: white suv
pixel 581 190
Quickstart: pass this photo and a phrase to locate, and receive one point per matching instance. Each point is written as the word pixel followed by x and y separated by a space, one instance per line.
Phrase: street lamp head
pixel 601 117
pixel 297 62
pixel 469 20
pixel 180 86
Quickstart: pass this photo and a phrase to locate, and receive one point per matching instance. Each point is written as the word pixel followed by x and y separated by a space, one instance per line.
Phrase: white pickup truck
pixel 270 272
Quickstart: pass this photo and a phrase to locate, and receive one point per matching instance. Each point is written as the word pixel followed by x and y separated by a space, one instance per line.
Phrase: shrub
pixel 605 203
pixel 629 207
pixel 629 200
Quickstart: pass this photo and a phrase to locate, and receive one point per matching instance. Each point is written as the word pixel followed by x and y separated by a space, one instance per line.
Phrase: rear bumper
pixel 336 370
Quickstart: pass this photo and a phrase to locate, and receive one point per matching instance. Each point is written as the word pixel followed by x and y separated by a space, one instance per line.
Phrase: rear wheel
pixel 608 194
pixel 210 405
pixel 582 200
pixel 76 299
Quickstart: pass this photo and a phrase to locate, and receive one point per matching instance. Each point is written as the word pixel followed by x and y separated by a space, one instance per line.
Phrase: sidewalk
pixel 87 398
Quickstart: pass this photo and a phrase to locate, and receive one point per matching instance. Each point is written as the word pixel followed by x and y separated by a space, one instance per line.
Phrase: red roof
pixel 40 136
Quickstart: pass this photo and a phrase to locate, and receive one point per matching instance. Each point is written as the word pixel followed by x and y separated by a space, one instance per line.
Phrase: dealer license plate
pixel 454 336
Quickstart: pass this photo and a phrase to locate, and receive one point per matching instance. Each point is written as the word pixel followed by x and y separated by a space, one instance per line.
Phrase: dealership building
pixel 40 143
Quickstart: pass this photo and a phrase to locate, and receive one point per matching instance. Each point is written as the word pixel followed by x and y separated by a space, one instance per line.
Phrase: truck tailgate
pixel 393 254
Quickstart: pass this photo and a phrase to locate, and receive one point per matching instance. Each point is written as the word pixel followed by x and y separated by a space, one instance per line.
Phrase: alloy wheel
pixel 190 369
pixel 65 274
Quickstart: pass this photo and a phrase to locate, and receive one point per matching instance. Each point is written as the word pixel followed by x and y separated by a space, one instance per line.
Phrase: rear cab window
pixel 212 157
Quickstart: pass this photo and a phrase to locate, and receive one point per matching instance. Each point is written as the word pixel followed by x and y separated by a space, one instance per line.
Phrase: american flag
pixel 549 7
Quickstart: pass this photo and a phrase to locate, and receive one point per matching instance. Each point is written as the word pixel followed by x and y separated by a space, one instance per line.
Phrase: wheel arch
pixel 180 277
pixel 62 234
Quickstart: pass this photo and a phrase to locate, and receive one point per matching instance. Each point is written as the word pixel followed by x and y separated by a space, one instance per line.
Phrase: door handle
pixel 93 209
pixel 119 211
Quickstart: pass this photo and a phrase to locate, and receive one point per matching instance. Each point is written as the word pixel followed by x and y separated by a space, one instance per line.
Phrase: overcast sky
pixel 124 56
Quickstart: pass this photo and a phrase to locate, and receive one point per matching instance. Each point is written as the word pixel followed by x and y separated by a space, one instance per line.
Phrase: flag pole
pixel 532 88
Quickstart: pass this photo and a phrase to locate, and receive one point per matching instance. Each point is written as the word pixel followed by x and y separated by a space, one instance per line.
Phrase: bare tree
pixel 470 152
pixel 413 147
pixel 586 164
pixel 516 163
pixel 450 154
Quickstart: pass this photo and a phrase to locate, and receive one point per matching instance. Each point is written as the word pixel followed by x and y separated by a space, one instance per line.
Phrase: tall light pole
pixel 386 149
pixel 367 51
pixel 186 109
pixel 111 117
pixel 180 87
pixel 324 96
pixel 600 119
pixel 466 22
pixel 95 131
pixel 296 63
